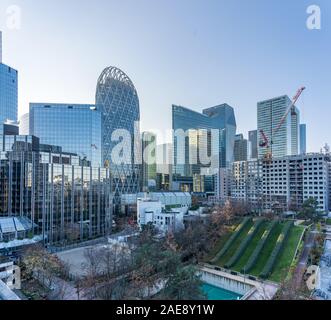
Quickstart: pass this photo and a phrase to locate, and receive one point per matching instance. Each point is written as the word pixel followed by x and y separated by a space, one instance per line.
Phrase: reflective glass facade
pixel 8 93
pixel 198 128
pixel 67 202
pixel 76 128
pixel 303 139
pixel 117 99
pixel 269 115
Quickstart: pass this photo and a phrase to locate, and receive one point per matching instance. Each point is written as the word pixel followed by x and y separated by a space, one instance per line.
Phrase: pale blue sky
pixel 196 53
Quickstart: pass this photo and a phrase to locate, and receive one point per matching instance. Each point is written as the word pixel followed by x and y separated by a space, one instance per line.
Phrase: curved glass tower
pixel 117 99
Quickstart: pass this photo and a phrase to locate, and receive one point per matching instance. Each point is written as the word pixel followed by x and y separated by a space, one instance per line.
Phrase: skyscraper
pixel 117 99
pixel 253 141
pixel 8 91
pixel 269 114
pixel 303 139
pixel 149 160
pixel 214 131
pixel 295 132
pixel 240 148
pixel 74 127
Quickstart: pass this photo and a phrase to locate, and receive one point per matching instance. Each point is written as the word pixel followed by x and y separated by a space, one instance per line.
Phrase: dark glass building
pixel 65 200
pixel 199 132
pixel 74 127
pixel 8 91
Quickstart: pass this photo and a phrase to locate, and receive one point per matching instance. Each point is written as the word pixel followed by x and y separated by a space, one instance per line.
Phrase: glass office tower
pixel 253 141
pixel 269 115
pixel 198 130
pixel 75 127
pixel 117 99
pixel 8 93
pixel 303 139
pixel 66 201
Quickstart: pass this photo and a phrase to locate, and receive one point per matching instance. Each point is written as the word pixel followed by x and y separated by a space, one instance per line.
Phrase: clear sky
pixel 195 53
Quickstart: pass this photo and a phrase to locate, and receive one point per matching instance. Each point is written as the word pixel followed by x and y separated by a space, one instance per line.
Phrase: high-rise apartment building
pixel 8 91
pixel 285 141
pixel 117 99
pixel 74 127
pixel 284 183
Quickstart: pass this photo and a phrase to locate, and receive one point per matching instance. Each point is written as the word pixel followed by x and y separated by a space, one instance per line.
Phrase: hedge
pixel 232 239
pixel 243 246
pixel 267 270
pixel 255 255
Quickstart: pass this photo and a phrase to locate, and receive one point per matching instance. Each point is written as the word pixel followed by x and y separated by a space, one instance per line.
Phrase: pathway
pixel 302 265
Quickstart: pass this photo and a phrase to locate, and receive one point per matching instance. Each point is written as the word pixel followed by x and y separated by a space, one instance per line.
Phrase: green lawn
pixel 225 258
pixel 251 247
pixel 286 257
pixel 265 254
pixel 328 222
pixel 218 246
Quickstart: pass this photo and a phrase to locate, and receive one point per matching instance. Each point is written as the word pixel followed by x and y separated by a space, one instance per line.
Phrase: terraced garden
pixel 260 248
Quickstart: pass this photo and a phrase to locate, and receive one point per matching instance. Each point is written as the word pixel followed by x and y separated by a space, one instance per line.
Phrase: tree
pixel 309 209
pixel 38 262
pixel 183 284
pixel 93 268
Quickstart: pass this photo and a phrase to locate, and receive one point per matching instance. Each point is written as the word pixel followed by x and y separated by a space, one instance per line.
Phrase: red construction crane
pixel 264 143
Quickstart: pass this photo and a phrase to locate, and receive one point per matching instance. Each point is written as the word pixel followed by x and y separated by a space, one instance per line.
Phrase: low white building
pixel 10 274
pixel 154 212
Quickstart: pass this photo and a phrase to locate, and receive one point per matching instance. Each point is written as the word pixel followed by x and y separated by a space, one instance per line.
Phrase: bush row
pixel 233 238
pixel 267 270
pixel 255 255
pixel 243 246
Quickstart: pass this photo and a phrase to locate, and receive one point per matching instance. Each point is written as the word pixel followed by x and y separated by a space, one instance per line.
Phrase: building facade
pixel 201 142
pixel 303 139
pixel 253 143
pixel 8 93
pixel 74 127
pixel 64 200
pixel 285 183
pixel 118 102
pixel 241 148
pixel 149 166
pixel 154 213
pixel 285 141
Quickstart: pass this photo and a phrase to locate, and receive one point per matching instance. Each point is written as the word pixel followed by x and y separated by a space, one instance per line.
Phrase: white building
pixel 10 274
pixel 223 181
pixel 154 212
pixel 285 182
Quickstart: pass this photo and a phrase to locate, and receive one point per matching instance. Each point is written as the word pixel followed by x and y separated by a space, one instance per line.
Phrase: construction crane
pixel 268 143
pixel 264 143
